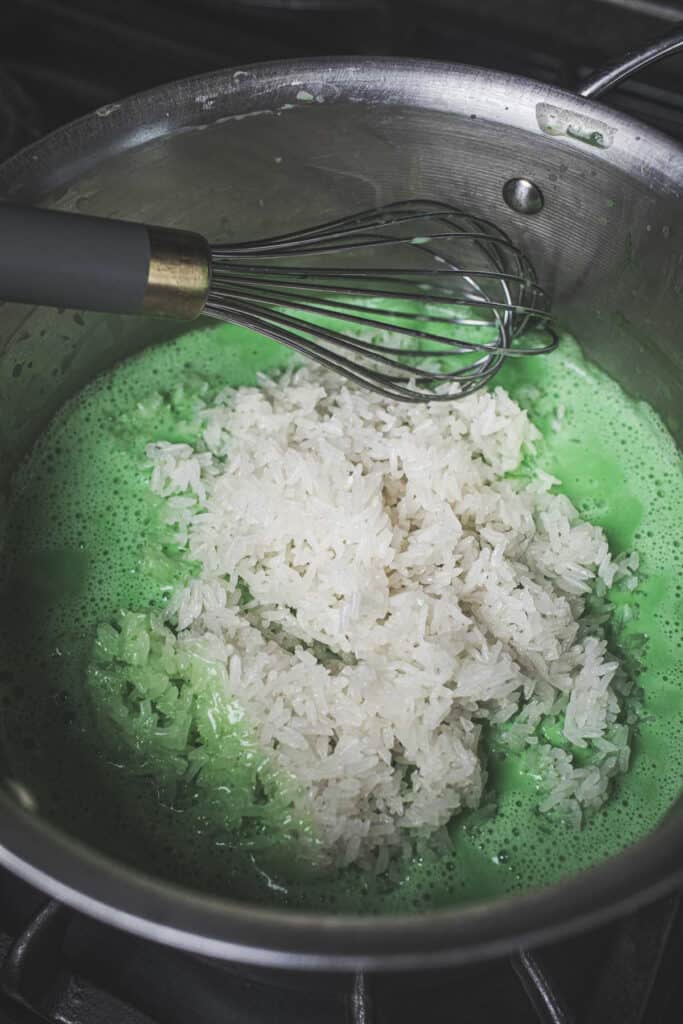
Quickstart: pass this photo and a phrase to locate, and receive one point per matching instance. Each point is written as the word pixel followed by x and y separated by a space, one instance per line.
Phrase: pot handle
pixel 616 71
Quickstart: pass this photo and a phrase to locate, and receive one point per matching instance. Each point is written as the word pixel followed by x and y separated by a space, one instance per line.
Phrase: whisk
pixel 417 300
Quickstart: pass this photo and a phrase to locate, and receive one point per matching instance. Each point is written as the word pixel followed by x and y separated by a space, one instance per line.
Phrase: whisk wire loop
pixel 417 300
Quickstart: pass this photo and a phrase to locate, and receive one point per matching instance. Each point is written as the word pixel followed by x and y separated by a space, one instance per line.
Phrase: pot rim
pixel 97 885
pixel 71 150
pixel 219 928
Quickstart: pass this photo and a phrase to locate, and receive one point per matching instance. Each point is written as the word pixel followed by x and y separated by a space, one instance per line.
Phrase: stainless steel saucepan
pixel 593 196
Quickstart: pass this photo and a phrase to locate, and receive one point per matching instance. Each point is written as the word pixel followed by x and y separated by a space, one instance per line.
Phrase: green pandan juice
pixel 86 539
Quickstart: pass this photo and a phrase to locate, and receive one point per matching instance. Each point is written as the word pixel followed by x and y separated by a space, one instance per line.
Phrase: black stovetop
pixel 66 57
pixel 58 60
pixel 59 966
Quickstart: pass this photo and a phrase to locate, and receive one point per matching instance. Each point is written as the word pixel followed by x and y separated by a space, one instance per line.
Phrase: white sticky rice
pixel 377 586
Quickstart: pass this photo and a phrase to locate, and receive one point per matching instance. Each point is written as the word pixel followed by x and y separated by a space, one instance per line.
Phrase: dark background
pixel 61 58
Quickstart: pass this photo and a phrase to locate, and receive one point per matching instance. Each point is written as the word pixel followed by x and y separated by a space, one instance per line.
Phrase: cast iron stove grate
pixel 59 966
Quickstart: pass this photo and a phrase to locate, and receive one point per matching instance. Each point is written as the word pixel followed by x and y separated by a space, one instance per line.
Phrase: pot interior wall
pixel 606 242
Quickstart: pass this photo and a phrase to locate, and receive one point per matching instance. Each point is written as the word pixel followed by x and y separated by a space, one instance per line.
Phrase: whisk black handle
pixel 51 258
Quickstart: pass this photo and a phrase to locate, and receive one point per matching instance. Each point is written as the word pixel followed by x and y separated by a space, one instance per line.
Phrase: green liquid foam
pixel 84 540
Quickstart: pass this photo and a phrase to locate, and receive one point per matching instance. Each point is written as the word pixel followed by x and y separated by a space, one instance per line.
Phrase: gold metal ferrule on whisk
pixel 179 274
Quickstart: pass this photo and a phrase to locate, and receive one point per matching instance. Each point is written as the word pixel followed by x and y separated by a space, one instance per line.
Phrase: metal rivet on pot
pixel 523 196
